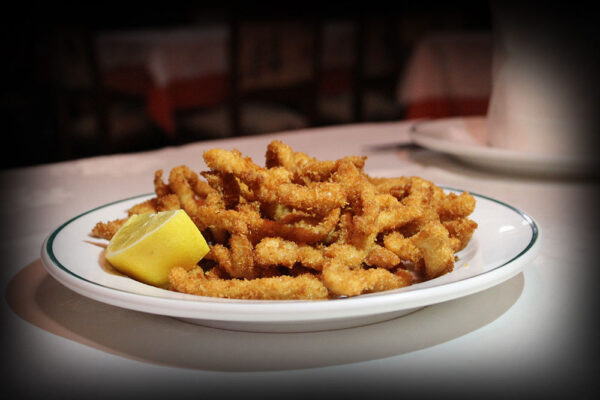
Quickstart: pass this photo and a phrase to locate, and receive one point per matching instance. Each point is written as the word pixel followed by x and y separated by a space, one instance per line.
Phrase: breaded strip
pixel 397 217
pixel 304 168
pixel 168 202
pixel 212 217
pixel 302 287
pixel 160 188
pixel 300 232
pixel 360 196
pixel 148 206
pixel 382 258
pixel 435 246
pixel 242 258
pixel 344 281
pixel 274 185
pixel 404 248
pixel 461 230
pixel 279 252
pixel 106 230
pixel 181 181
pixel 347 254
pixel 453 206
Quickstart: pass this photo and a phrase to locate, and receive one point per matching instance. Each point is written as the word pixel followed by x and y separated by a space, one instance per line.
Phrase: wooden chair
pixel 92 118
pixel 361 61
pixel 274 73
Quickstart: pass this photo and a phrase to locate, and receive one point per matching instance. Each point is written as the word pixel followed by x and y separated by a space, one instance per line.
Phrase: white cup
pixel 535 105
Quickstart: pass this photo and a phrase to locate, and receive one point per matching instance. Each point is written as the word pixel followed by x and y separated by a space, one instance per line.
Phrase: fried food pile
pixel 300 228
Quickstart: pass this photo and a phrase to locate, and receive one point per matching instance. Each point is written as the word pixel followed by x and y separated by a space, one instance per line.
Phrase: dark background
pixel 31 97
pixel 32 101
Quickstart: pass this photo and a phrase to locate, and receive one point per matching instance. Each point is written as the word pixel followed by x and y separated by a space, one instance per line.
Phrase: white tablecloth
pixel 530 335
pixel 168 55
pixel 447 74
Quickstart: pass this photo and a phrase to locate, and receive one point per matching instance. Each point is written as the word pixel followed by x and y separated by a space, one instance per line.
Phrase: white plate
pixel 465 139
pixel 505 242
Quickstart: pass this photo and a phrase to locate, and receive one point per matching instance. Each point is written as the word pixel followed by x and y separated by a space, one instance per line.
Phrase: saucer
pixel 465 138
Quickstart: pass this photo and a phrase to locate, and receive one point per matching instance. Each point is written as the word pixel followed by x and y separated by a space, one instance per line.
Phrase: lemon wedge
pixel 148 245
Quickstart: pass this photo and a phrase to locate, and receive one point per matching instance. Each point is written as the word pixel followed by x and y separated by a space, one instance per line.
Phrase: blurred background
pixel 96 79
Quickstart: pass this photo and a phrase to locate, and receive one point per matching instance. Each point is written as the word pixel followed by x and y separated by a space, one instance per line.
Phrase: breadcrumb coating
pixel 301 228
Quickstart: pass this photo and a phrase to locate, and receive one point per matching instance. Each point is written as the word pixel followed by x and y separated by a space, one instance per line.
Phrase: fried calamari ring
pixel 344 281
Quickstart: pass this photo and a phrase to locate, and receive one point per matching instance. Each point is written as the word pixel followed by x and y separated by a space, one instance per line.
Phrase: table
pixel 530 335
pixel 179 68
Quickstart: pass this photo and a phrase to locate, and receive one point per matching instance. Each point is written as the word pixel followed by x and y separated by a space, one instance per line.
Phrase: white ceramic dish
pixel 504 243
pixel 465 139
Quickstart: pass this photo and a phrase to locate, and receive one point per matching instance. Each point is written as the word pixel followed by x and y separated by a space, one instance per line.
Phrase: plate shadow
pixel 42 301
